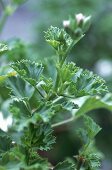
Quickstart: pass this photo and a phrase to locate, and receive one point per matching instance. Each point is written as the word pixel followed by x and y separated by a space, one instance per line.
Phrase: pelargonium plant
pixel 38 102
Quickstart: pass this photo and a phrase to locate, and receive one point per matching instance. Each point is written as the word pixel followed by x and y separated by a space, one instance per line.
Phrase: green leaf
pixel 22 112
pixel 28 70
pixel 20 89
pixel 40 136
pixel 94 161
pixel 76 82
pixel 89 103
pixel 86 83
pixel 3 78
pixel 16 159
pixel 92 158
pixel 20 109
pixel 88 133
pixel 13 159
pixel 64 166
pixel 3 49
pixel 37 166
pixel 22 116
pixel 91 127
pixel 58 39
pixel 66 74
pixel 46 87
pixel 5 142
pixel 36 161
pixel 17 50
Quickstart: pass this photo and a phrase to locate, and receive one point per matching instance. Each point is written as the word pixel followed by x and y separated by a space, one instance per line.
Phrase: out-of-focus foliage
pixel 11 50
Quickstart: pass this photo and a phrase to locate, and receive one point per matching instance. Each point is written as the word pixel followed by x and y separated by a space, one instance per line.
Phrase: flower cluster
pixel 77 26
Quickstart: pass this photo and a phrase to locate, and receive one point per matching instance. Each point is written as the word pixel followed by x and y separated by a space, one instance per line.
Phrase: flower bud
pixel 78 32
pixel 86 23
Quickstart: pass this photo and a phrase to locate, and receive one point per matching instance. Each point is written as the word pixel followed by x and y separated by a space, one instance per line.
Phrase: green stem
pixel 57 99
pixel 63 122
pixel 79 166
pixel 61 62
pixel 57 81
pixel 3 21
pixel 85 148
pixel 63 58
pixel 58 78
pixel 2 4
pixel 7 11
pixel 4 16
pixel 28 106
pixel 39 93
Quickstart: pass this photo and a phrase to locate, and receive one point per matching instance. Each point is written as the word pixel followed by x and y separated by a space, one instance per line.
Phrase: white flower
pixel 79 17
pixel 66 23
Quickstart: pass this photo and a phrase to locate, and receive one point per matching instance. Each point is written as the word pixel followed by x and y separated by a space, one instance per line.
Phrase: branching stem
pixel 62 59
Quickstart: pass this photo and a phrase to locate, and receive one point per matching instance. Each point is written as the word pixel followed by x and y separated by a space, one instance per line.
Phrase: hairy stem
pixel 57 81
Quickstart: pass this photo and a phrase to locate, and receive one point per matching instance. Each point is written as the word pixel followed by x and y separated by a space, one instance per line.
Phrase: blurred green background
pixel 93 52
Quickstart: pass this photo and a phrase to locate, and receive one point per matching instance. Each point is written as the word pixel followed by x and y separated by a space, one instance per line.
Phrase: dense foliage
pixel 94 52
pixel 40 104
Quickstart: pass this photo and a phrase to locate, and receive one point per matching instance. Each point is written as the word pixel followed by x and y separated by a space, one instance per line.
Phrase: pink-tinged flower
pixel 79 17
pixel 66 23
